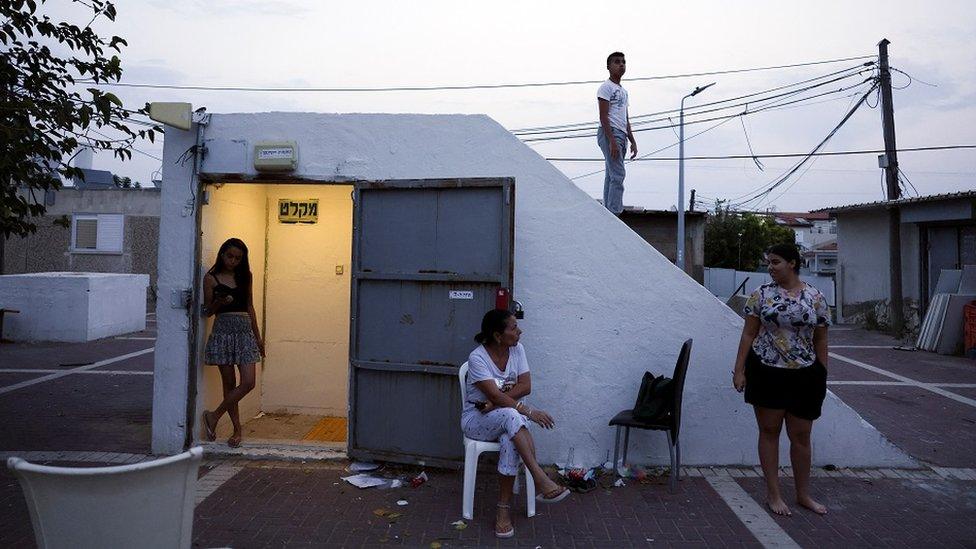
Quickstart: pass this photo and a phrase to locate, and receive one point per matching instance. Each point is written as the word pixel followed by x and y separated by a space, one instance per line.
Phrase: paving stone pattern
pixel 881 513
pixel 272 507
pixel 917 365
pixel 80 412
pixel 930 427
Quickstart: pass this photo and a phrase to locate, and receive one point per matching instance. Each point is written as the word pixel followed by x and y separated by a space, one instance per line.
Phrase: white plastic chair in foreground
pixel 473 449
pixel 140 505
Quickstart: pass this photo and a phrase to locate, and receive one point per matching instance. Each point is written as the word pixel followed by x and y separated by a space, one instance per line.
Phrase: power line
pixel 130 146
pixel 763 194
pixel 771 155
pixel 700 121
pixel 464 87
pixel 857 69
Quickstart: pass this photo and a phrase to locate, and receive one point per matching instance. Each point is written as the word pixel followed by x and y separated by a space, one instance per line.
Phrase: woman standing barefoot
pixel 235 339
pixel 782 366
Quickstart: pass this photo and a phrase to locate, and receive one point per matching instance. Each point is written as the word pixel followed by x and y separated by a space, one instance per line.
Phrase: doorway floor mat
pixel 285 428
pixel 328 429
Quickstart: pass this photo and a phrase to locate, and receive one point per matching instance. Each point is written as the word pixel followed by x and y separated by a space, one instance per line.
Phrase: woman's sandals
pixel 553 496
pixel 210 427
pixel 511 528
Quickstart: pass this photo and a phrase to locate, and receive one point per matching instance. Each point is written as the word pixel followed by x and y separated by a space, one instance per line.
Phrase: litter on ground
pixel 362 466
pixel 364 480
pixel 418 480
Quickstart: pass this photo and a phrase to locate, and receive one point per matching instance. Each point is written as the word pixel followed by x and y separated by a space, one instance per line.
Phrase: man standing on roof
pixel 614 133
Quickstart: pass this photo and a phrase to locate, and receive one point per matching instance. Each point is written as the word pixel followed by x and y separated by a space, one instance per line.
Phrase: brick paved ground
pixel 274 504
pixel 881 513
pixel 931 427
pixel 272 507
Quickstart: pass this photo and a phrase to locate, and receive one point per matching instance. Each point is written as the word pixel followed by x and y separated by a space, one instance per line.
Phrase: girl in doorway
pixel 782 367
pixel 235 339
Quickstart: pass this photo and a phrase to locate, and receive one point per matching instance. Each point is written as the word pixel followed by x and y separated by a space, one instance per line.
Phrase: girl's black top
pixel 238 305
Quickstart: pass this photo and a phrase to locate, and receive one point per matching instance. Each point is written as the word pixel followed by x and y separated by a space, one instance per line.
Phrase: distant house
pixel 822 258
pixel 95 179
pixel 102 229
pixel 811 228
pixel 937 232
pixel 659 228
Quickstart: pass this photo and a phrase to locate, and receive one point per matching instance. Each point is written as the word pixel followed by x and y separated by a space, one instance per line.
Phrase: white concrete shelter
pixel 601 305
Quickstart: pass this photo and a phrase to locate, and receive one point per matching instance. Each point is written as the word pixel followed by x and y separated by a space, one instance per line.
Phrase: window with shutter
pixel 86 233
pixel 97 233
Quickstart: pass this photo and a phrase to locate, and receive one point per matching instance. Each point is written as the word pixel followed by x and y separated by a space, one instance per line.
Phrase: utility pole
pixel 891 180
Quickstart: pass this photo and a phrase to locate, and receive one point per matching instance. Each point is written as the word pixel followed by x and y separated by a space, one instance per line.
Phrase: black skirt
pixel 799 391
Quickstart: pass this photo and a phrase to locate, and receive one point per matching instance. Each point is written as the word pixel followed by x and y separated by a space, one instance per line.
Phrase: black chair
pixel 670 422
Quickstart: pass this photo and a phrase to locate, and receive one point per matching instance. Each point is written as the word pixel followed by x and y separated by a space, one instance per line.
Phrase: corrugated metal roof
pixel 913 200
pixel 636 210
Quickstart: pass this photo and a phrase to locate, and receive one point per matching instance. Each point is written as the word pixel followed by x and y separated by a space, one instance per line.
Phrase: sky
pixel 282 43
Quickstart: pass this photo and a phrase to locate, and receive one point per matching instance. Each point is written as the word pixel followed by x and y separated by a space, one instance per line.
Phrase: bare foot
pixel 503 522
pixel 812 505
pixel 778 506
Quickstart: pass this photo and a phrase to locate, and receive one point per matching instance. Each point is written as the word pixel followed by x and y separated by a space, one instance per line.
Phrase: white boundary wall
pixel 722 282
pixel 73 307
pixel 601 304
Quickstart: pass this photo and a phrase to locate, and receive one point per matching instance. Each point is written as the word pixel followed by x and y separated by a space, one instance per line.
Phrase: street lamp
pixel 738 263
pixel 680 260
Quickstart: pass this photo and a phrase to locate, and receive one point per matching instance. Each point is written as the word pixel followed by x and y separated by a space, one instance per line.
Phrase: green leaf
pixel 114 99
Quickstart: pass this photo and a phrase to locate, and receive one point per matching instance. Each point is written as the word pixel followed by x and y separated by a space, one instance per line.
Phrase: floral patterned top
pixel 785 337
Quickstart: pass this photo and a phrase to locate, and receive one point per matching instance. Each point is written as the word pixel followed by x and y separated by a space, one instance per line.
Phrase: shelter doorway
pixel 301 291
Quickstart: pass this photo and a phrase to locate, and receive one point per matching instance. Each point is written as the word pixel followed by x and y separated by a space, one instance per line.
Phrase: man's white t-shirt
pixel 481 367
pixel 617 96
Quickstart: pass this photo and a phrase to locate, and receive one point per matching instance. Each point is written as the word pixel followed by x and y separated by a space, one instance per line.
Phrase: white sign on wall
pixel 461 294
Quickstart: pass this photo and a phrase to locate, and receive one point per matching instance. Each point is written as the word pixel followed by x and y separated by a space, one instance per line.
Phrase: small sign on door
pixel 298 211
pixel 461 294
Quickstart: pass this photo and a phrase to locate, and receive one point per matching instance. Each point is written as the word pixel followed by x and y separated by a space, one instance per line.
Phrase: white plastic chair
pixel 139 505
pixel 472 450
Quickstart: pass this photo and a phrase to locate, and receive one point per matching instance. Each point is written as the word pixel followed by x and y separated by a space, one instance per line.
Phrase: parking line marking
pixel 752 515
pixel 862 346
pixel 210 482
pixel 80 369
pixel 54 371
pixel 933 387
pixel 137 338
pixel 845 382
pixel 895 383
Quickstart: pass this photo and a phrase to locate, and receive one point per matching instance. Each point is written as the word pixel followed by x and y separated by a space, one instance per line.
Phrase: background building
pixel 102 229
pixel 937 232
pixel 659 228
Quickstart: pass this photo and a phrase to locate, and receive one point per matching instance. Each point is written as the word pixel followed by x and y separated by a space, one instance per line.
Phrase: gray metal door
pixel 428 258
pixel 943 253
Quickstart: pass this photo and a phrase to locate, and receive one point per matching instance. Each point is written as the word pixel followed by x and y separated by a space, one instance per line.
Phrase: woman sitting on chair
pixel 498 377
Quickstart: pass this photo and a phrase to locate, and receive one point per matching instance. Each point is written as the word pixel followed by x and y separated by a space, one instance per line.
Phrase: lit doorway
pixel 300 258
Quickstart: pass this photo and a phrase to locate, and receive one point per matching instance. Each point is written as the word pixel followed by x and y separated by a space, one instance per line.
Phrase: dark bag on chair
pixel 654 397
